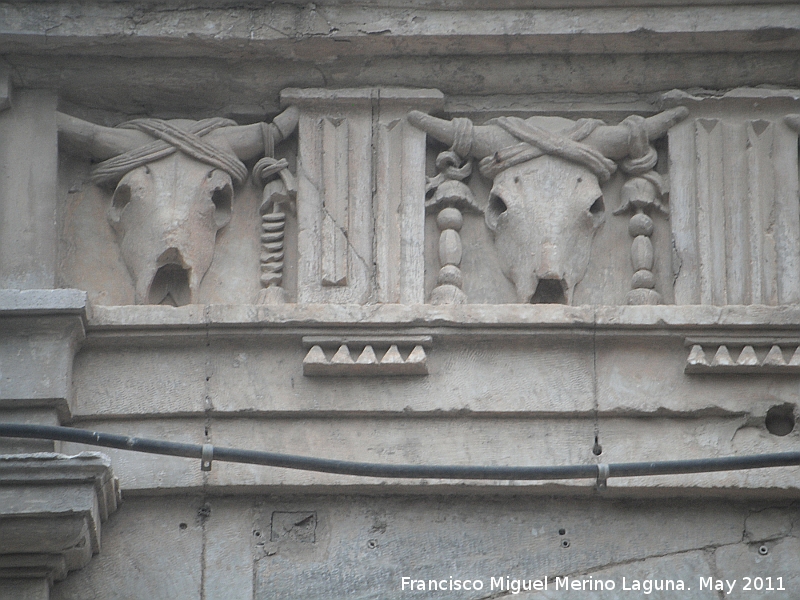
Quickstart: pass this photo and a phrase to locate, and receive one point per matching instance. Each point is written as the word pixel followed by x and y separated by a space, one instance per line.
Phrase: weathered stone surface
pixel 28 201
pixel 503 383
pixel 745 563
pixel 36 359
pixel 42 302
pixel 25 589
pixel 770 523
pixel 510 360
pixel 51 507
pixel 519 316
pixel 629 578
pixel 40 331
pixel 231 376
pixel 108 29
pixel 635 374
pixel 369 551
pixel 151 471
pixel 231 533
pixel 366 544
pixel 175 382
pixel 147 553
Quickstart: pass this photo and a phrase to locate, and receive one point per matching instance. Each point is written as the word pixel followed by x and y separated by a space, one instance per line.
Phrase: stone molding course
pixel 51 509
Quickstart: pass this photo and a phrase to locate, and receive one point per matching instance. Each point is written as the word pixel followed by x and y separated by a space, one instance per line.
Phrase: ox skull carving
pixel 174 192
pixel 167 215
pixel 546 202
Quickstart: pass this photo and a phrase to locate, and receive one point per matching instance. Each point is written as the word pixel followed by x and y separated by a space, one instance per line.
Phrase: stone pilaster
pixel 28 198
pixel 360 199
pixel 40 331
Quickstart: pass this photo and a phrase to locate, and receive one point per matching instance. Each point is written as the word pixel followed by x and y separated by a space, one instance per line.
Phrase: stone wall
pixel 538 233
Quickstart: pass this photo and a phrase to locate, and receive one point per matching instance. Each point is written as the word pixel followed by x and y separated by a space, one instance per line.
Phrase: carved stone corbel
pixel 51 510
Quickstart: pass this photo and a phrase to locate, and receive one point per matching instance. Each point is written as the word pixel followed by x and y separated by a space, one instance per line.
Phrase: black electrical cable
pixel 342 467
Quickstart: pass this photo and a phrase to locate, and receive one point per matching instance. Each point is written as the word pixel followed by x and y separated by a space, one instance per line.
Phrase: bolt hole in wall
pixel 763 550
pixel 780 420
pixel 565 541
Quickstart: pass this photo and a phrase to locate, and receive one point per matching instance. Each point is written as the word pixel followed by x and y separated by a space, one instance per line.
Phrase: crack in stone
pixel 677 262
pixel 792 506
pixel 709 550
pixel 346 237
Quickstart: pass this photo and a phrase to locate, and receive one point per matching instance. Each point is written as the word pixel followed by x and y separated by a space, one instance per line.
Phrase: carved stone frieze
pixel 256 231
pixel 340 216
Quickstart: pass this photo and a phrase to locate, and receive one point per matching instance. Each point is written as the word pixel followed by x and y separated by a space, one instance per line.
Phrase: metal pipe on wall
pixel 208 453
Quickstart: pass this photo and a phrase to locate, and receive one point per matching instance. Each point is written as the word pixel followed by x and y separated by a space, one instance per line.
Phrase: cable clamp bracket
pixel 602 476
pixel 207 457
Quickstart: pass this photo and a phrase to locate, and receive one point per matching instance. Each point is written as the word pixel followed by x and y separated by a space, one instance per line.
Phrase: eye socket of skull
pixel 221 197
pixel 597 211
pixel 496 209
pixel 120 199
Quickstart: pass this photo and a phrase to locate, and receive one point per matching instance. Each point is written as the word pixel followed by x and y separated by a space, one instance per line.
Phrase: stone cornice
pixel 108 321
pixel 27 303
pixel 302 32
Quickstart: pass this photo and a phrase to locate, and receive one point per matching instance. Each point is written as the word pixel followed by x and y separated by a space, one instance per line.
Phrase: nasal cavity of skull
pixel 170 285
pixel 497 207
pixel 221 197
pixel 550 291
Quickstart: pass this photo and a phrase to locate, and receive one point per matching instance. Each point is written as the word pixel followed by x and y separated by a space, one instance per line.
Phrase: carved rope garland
pixel 171 139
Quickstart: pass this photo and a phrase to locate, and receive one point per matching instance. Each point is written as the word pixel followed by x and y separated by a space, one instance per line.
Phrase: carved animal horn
pixel 247 141
pixel 611 140
pixel 486 139
pixel 82 137
pixel 614 140
pixel 286 122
